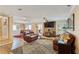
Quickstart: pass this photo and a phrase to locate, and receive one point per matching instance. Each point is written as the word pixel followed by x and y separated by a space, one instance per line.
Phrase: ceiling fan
pixel 45 19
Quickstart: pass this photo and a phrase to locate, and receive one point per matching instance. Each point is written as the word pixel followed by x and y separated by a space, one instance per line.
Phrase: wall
pixel 22 26
pixel 34 28
pixel 76 32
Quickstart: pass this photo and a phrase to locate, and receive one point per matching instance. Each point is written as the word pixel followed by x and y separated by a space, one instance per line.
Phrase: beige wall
pixel 76 32
pixel 22 26
pixel 76 11
pixel 34 28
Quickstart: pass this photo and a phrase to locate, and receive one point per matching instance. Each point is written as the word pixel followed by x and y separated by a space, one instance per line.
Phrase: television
pixel 49 24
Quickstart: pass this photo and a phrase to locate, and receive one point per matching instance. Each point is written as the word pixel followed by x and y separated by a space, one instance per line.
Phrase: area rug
pixel 37 47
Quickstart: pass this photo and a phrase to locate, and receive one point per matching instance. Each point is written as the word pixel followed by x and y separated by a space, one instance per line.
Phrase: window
pixel 14 28
pixel 28 27
pixel 39 26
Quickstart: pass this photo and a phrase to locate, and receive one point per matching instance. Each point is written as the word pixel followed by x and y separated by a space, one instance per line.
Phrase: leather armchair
pixel 67 48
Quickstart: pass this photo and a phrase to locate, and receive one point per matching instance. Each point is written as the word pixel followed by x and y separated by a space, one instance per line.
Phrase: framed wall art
pixel 71 22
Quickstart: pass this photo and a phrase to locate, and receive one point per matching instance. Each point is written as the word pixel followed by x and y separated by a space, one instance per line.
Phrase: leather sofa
pixel 30 38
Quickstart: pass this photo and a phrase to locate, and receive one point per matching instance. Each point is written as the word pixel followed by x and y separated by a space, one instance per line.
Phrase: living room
pixel 39 29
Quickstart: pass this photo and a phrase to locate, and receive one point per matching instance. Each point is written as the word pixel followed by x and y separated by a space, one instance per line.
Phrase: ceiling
pixel 35 13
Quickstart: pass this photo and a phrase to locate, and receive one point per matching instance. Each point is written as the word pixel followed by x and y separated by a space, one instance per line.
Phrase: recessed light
pixel 68 5
pixel 19 9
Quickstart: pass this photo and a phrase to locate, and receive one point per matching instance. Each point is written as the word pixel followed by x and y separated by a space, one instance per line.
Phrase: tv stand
pixel 50 29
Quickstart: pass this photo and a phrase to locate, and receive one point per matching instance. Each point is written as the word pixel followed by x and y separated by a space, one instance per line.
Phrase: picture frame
pixel 71 22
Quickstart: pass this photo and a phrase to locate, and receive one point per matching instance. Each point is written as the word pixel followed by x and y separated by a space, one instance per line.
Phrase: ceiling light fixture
pixel 19 9
pixel 68 5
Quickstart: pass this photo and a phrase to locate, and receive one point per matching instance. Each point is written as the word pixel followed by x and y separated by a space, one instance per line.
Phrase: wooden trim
pixel 73 22
pixel 1 24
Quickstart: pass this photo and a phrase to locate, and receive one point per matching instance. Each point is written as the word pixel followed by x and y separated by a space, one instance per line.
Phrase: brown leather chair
pixel 67 48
